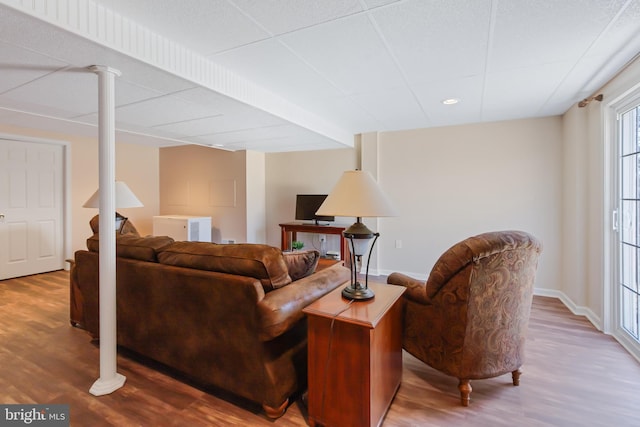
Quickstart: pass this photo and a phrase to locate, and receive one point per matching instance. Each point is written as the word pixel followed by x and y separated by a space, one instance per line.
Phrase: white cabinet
pixel 183 228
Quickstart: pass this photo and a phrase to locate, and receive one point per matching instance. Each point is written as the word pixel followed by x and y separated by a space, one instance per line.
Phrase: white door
pixel 627 300
pixel 31 208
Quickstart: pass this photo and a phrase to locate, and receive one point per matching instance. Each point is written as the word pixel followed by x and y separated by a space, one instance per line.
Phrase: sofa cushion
pixel 301 263
pixel 263 262
pixel 134 247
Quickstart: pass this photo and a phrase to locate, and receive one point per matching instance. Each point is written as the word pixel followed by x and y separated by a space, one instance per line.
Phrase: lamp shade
pixel 356 194
pixel 124 198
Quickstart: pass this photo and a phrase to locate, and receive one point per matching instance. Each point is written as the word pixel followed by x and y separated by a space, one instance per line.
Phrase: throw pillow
pixel 301 263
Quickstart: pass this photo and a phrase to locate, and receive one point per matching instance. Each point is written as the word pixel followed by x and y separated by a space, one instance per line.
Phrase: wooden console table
pixel 289 230
pixel 355 361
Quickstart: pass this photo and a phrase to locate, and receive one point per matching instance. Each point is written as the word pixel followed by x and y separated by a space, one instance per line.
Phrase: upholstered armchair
pixel 469 320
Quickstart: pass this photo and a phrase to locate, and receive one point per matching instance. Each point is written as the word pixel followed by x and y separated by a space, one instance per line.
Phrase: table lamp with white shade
pixel 124 199
pixel 358 195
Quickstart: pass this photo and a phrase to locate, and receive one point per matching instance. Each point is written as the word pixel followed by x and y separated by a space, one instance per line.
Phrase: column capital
pixel 99 69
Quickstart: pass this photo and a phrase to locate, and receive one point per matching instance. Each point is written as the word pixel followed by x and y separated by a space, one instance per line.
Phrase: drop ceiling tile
pixel 526 91
pixel 196 127
pixel 32 34
pixel 162 110
pixel 223 123
pixel 71 92
pixel 303 142
pixel 331 59
pixel 433 39
pixel 372 4
pixel 347 52
pixel 91 119
pixel 552 108
pixel 267 139
pixel 66 47
pixel 133 129
pixel 36 108
pixel 267 132
pixel 149 140
pixel 270 64
pixel 82 53
pixel 544 31
pixel 214 100
pixel 395 108
pixel 621 32
pixel 344 112
pixel 149 77
pixel 578 82
pixel 37 41
pixel 284 16
pixel 19 66
pixel 127 92
pixel 205 26
pixel 49 124
pixel 468 90
pixel 256 145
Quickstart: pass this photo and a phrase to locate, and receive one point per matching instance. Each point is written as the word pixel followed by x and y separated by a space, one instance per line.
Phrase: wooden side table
pixel 289 230
pixel 355 357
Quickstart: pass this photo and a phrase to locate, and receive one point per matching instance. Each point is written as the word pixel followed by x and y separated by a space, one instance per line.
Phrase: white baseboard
pixel 631 347
pixel 575 309
pixel 417 276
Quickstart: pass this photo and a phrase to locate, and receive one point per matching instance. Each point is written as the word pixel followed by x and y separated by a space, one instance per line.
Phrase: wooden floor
pixel 574 376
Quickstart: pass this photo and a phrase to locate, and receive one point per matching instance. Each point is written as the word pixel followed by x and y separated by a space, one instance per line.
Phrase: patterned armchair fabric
pixel 470 318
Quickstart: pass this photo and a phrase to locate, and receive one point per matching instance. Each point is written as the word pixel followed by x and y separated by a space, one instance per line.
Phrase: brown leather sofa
pixel 228 316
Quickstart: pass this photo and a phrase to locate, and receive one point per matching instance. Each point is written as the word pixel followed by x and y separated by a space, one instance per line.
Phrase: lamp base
pixel 357 292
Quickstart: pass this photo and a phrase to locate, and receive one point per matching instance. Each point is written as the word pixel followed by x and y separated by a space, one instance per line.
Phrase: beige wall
pixel 588 187
pixel 311 172
pixel 575 230
pixel 453 182
pixel 447 183
pixel 137 165
pixel 202 181
pixel 256 197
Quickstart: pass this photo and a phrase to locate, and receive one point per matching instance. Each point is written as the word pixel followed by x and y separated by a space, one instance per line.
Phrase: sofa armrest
pixel 280 309
pixel 416 289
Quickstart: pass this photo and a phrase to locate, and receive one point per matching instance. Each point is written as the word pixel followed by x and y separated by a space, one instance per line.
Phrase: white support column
pixel 109 380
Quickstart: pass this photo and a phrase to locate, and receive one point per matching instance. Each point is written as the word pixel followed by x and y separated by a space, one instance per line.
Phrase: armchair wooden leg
pixel 515 375
pixel 274 413
pixel 465 391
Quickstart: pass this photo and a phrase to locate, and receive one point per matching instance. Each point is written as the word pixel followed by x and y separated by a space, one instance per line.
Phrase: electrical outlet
pixel 398 244
pixel 323 238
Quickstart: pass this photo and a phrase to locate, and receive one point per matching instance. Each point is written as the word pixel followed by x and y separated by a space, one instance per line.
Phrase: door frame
pixel 611 302
pixel 66 186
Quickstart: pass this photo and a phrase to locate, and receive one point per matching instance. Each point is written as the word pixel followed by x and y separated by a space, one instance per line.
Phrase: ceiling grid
pixel 290 75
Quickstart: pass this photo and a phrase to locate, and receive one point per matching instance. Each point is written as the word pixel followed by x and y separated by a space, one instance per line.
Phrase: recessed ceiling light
pixel 450 101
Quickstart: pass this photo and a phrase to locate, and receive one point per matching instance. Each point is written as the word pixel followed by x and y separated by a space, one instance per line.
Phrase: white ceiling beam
pixel 94 22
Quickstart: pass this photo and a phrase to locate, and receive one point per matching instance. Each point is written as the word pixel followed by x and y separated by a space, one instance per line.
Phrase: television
pixel 307 205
